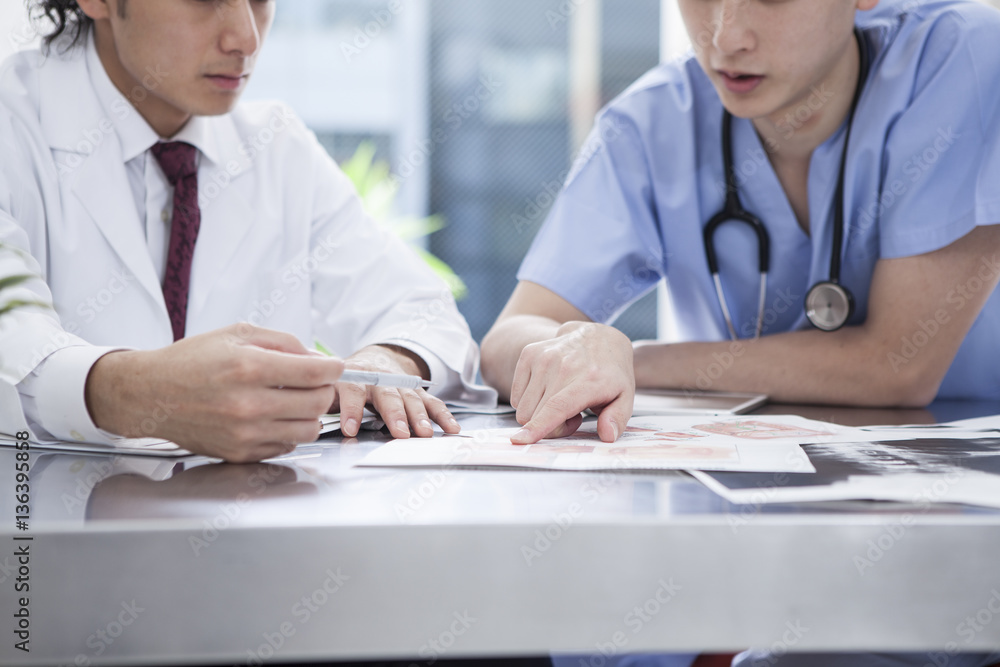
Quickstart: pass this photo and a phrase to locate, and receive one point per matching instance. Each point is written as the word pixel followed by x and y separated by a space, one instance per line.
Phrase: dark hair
pixel 62 19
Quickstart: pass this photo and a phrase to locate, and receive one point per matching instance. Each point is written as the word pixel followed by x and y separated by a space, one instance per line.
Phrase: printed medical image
pixel 753 429
pixel 655 452
pixel 643 434
pixel 837 462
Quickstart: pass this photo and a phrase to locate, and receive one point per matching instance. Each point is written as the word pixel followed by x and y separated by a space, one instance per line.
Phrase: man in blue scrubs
pixel 920 202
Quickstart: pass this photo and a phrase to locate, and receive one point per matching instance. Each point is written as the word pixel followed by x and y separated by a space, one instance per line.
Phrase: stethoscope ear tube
pixel 829 305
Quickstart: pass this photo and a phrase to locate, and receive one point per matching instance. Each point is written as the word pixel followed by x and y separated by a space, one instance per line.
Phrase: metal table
pixel 136 561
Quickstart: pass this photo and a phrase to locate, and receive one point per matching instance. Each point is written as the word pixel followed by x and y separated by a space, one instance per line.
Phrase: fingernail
pixel 425 424
pixel 614 432
pixel 403 426
pixel 452 421
pixel 523 434
pixel 351 426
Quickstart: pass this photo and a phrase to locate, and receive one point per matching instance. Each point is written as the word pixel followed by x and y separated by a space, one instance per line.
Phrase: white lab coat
pixel 284 244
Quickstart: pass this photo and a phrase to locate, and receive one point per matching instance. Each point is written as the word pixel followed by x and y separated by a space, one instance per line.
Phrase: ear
pixel 95 9
pixel 866 5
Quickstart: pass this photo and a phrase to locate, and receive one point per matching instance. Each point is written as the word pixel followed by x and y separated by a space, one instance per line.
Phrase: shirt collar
pixel 135 134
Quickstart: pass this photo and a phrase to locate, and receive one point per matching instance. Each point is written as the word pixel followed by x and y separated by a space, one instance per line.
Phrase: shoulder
pixel 931 53
pixel 669 92
pixel 271 135
pixel 23 80
pixel 286 154
pixel 271 124
pixel 931 34
pixel 20 76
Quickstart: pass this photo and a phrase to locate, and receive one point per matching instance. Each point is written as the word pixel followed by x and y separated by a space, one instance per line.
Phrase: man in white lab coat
pixel 122 149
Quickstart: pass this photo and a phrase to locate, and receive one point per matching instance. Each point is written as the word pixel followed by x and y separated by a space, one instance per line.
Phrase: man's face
pixel 766 57
pixel 193 57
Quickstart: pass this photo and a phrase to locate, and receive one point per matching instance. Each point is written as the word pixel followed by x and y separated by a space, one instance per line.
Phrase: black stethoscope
pixel 829 305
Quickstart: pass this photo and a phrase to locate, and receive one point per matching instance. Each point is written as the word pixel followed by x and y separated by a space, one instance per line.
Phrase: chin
pixel 743 107
pixel 217 107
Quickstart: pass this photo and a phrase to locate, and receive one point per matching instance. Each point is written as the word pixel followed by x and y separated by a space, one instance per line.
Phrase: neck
pixel 794 131
pixel 165 119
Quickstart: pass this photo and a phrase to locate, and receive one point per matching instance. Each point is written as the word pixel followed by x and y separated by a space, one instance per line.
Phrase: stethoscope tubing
pixel 733 211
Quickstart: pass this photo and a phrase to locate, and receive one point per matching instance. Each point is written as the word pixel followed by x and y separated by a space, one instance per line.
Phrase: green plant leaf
pixel 377 190
pixel 455 283
pixel 410 229
pixel 13 281
pixel 11 306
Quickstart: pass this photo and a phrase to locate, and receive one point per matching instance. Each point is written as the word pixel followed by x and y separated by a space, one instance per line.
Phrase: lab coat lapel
pixel 102 188
pixel 74 122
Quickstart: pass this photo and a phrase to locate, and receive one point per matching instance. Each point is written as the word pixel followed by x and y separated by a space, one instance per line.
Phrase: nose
pixel 731 31
pixel 240 35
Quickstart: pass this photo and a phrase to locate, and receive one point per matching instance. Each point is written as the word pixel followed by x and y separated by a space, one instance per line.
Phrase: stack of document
pixel 751 460
pixel 958 462
pixel 764 444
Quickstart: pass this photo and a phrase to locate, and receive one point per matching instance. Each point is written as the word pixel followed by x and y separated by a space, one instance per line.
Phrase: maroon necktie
pixel 177 159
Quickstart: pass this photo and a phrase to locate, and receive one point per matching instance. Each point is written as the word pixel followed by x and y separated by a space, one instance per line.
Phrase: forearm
pixel 847 367
pixel 502 346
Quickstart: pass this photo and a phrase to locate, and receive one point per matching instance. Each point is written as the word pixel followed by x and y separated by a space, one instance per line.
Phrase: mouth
pixel 228 81
pixel 740 82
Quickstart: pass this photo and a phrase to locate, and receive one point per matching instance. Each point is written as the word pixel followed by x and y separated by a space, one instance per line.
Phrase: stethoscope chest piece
pixel 829 306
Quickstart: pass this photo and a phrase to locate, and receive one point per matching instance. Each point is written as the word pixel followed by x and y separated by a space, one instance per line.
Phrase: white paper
pixel 766 443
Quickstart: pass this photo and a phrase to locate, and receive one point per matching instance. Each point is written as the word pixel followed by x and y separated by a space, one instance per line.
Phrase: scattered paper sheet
pixel 924 470
pixel 766 443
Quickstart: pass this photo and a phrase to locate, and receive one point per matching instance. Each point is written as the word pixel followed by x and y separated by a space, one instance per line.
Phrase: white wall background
pixel 15 31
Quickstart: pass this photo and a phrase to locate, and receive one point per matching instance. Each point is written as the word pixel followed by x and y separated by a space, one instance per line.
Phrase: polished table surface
pixel 139 561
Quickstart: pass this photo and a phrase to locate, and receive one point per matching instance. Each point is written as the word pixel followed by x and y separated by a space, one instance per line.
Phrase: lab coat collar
pixel 74 121
pixel 134 133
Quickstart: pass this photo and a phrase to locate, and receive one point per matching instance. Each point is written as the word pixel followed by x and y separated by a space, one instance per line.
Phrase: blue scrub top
pixel 923 171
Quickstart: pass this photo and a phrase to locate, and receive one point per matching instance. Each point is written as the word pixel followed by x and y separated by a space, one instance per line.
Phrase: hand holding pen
pixel 392 391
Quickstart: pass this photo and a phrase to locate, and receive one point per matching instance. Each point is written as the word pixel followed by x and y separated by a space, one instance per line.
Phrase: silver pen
pixel 384 379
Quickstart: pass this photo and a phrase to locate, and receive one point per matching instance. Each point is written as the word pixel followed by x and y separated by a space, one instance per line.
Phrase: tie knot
pixel 177 159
